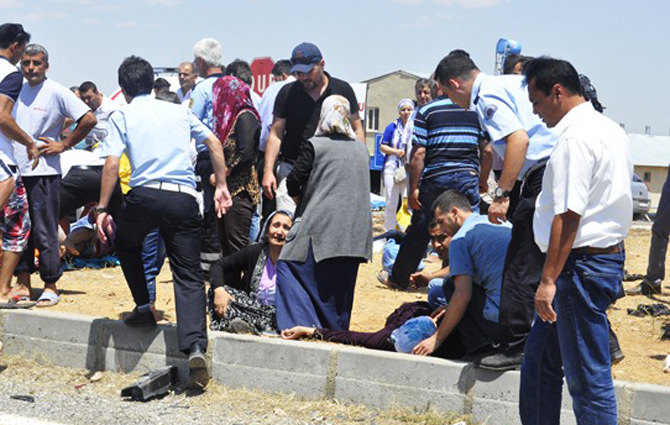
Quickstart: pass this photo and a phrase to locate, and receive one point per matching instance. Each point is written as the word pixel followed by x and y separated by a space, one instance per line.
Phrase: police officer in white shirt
pixel 582 216
pixel 41 109
pixel 524 143
pixel 156 136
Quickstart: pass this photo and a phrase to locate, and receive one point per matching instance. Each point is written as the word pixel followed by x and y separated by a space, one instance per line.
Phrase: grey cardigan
pixel 334 212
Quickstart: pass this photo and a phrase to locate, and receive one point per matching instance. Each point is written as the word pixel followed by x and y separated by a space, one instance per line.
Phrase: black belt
pixel 85 167
pixel 591 250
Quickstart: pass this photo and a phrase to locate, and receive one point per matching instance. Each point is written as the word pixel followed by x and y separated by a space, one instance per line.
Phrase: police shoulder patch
pixel 190 103
pixel 489 110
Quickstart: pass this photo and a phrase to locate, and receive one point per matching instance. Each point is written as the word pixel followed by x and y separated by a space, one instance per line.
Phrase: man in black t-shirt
pixel 296 114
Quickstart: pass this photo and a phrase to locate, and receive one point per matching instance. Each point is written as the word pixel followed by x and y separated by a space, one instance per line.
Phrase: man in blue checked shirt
pixel 156 137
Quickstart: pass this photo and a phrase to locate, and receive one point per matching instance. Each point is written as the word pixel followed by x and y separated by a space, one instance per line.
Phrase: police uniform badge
pixel 489 111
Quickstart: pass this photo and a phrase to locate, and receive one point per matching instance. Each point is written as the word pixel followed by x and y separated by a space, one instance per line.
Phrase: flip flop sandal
pixel 47 299
pixel 14 304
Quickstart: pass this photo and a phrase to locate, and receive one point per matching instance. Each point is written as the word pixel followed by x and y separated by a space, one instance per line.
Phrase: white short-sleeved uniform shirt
pixel 589 173
pixel 202 105
pixel 156 136
pixel 40 111
pixel 503 107
pixel 102 114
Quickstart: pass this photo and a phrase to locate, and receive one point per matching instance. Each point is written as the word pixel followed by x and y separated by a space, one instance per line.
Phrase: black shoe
pixel 616 355
pixel 240 326
pixel 198 376
pixel 138 319
pixel 646 287
pixel 500 362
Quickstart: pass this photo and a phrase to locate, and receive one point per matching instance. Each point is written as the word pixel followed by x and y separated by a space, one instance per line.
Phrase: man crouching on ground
pixel 156 136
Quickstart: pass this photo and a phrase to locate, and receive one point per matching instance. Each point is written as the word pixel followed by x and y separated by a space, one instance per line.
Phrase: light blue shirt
pixel 202 104
pixel 156 137
pixel 478 250
pixel 503 107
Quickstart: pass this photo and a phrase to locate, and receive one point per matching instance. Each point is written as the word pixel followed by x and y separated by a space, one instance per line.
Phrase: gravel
pixel 73 397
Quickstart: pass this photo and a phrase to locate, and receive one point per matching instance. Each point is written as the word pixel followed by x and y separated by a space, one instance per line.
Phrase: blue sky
pixel 621 45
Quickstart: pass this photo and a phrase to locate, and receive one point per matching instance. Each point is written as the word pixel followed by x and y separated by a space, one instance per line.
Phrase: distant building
pixel 651 156
pixel 384 93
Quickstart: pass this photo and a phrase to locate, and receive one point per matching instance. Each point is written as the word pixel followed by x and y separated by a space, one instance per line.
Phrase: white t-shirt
pixel 103 112
pixel 79 157
pixel 589 173
pixel 40 112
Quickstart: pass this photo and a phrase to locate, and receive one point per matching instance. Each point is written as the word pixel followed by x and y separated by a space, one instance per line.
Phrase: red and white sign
pixel 261 69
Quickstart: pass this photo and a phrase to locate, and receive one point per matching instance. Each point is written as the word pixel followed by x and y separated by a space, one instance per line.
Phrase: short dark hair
pixel 86 86
pixel 456 64
pixel 512 60
pixel 282 66
pixel 136 76
pixel 546 72
pixel 422 82
pixel 449 199
pixel 240 69
pixel 161 84
pixel 12 33
pixel 168 96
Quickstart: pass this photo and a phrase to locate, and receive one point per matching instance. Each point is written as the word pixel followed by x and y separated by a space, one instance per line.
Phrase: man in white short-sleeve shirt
pixel 41 110
pixel 582 216
pixel 102 107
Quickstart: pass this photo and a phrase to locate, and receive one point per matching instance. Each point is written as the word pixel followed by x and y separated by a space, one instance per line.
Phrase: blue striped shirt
pixel 450 136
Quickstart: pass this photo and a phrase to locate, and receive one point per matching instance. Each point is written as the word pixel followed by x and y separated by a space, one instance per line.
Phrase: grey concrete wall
pixel 307 369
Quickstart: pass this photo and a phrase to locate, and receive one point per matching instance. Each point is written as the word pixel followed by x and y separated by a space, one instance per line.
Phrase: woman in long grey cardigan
pixel 332 231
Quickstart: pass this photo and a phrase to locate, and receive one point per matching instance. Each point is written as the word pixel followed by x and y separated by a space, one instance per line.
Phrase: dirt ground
pixel 104 293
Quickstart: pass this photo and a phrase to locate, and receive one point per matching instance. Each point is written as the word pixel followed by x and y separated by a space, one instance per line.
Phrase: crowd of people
pixel 267 199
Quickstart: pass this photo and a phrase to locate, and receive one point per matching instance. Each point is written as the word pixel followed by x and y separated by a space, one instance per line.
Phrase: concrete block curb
pixel 375 378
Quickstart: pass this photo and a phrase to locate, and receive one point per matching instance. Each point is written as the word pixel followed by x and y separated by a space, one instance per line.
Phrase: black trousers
pixel 210 246
pixel 233 230
pixel 43 203
pixel 523 266
pixel 178 220
pixel 474 331
pixel 81 186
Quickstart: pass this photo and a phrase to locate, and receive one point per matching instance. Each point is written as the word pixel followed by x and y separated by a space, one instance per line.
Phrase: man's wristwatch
pixel 499 193
pixel 100 210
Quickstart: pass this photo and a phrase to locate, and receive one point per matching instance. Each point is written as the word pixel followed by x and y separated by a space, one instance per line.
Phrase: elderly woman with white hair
pixel 397 139
pixel 332 231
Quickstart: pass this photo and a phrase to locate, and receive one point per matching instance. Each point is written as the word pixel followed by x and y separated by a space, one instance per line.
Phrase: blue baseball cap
pixel 304 57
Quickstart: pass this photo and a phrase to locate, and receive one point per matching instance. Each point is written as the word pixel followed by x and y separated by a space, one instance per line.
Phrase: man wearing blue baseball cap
pixel 296 114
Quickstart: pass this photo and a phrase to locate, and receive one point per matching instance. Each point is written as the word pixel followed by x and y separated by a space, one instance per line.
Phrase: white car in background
pixel 641 198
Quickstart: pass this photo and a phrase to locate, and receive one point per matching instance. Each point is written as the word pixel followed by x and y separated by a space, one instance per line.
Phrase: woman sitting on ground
pixel 247 305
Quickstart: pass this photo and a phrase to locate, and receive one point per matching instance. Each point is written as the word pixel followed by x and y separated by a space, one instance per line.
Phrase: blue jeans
pixel 153 257
pixel 436 297
pixel 413 246
pixel 578 342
